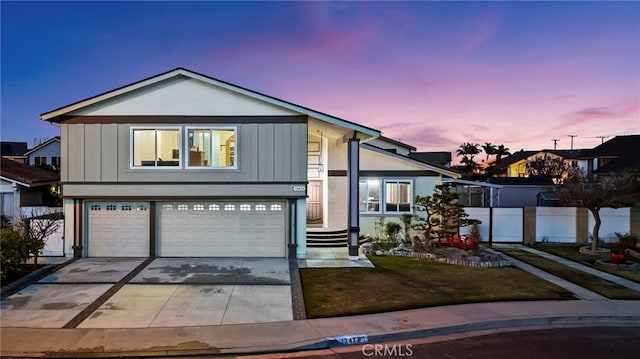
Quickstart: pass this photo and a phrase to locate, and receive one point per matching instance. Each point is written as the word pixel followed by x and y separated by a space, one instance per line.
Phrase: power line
pixel 602 138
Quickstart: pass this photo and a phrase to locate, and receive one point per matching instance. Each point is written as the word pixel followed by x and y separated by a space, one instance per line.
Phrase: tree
pixel 443 215
pixel 547 166
pixel 468 151
pixel 500 152
pixel 489 149
pixel 595 192
pixel 38 230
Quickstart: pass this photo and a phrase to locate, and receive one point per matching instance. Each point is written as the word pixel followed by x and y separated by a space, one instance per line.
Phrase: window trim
pixel 212 128
pixel 382 181
pixel 132 165
pixel 398 180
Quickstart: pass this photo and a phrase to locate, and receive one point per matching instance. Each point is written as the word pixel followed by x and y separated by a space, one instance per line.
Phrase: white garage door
pixel 118 229
pixel 221 229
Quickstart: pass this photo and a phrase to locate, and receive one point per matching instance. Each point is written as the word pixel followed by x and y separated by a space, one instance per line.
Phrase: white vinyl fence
pixel 556 224
pixel 613 220
pixel 552 224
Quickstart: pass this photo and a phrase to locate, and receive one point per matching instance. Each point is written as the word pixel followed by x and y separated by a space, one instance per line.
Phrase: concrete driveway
pixel 168 292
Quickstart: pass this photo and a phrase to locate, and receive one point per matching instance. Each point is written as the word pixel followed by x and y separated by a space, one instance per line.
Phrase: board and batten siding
pixel 266 152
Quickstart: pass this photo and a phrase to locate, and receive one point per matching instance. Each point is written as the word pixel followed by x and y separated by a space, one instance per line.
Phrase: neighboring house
pixel 515 165
pixel 14 151
pixel 619 154
pixel 25 190
pixel 182 164
pixel 46 154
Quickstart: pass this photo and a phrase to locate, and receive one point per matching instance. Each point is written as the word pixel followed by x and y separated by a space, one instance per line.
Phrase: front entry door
pixel 314 202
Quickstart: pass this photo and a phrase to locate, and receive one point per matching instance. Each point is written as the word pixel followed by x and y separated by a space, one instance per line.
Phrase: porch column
pixel 301 227
pixel 353 178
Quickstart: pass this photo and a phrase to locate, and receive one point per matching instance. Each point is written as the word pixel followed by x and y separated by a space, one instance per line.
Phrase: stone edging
pixel 458 262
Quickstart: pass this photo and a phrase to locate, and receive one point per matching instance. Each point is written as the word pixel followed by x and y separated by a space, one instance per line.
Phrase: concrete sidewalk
pixel 315 333
pixel 324 333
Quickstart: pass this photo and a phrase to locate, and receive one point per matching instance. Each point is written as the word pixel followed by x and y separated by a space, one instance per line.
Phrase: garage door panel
pixel 118 229
pixel 221 229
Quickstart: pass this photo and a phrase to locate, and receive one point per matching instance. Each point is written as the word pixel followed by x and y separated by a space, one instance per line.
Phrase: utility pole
pixel 555 142
pixel 602 138
pixel 572 136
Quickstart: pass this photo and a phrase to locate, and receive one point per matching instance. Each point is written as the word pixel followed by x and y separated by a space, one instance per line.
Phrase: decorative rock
pixel 380 253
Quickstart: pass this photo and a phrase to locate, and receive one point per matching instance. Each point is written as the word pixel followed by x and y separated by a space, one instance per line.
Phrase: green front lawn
pixel 398 283
pixel 571 253
pixel 583 279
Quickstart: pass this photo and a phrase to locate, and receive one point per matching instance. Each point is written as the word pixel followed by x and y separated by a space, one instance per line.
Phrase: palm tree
pixel 489 149
pixel 468 150
pixel 501 151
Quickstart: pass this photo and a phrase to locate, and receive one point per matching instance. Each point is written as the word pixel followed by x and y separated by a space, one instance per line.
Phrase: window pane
pixel 168 147
pixel 404 197
pixel 392 197
pixel 223 144
pixel 370 195
pixel 199 148
pixel 363 196
pixel 144 148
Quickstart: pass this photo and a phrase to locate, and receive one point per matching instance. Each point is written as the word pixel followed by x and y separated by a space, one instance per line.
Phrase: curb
pixel 360 339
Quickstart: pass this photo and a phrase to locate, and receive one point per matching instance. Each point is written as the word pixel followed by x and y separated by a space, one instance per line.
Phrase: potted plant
pixel 618 255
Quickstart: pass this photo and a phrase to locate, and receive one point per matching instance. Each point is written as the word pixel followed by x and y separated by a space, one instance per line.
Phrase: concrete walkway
pixel 580 292
pixel 581 267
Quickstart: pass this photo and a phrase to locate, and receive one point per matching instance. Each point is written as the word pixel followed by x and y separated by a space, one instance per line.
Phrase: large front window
pixel 397 196
pixel 211 147
pixel 156 147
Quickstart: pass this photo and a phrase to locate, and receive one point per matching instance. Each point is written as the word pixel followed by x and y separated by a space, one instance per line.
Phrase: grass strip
pixel 398 283
pixel 585 280
pixel 571 253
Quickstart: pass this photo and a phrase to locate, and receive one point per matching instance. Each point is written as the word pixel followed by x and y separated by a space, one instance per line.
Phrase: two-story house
pixel 183 164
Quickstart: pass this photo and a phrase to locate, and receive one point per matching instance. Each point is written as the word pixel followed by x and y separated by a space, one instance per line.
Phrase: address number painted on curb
pixel 351 339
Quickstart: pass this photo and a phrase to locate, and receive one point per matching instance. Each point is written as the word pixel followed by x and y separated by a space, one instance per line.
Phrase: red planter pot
pixel 617 258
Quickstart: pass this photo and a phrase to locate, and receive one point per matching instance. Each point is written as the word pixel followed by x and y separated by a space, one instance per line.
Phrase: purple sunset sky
pixel 432 74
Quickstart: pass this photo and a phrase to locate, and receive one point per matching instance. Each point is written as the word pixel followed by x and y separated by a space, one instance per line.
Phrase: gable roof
pixel 397 143
pixel 623 149
pixel 26 175
pixel 58 115
pixel 441 159
pixel 13 148
pixel 43 144
pixel 427 166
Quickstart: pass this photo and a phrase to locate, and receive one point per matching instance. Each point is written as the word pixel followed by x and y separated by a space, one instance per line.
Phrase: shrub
pixel 627 240
pixel 392 229
pixel 14 251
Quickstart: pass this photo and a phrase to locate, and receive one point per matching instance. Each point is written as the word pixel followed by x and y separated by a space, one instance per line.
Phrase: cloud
pixel 592 114
pixel 482 29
